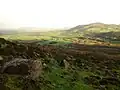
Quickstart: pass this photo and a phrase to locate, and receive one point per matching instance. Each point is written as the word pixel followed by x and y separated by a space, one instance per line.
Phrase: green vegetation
pixel 81 58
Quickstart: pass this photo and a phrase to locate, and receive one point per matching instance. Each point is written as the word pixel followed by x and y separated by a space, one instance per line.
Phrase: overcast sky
pixel 57 13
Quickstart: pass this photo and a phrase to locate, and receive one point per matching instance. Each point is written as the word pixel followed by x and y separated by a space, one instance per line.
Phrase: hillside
pixel 96 28
pixel 95 31
pixel 29 66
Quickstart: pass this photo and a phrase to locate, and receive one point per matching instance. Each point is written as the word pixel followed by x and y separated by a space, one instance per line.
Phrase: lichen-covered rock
pixel 18 66
pixel 35 69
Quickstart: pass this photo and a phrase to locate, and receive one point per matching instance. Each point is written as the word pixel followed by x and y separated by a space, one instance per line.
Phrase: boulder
pixel 19 66
pixel 35 69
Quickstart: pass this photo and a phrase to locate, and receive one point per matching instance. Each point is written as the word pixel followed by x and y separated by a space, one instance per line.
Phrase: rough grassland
pixel 65 67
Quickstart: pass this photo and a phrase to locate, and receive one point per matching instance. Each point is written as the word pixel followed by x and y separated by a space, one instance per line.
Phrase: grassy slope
pixel 96 30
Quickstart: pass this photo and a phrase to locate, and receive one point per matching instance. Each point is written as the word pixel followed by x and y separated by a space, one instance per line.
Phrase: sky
pixel 57 13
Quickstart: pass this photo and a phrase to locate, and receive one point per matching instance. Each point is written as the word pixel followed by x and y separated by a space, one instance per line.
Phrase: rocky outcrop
pixel 19 66
pixel 16 67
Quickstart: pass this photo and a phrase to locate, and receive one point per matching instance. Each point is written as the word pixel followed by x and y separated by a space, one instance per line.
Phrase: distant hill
pixel 95 30
pixel 92 31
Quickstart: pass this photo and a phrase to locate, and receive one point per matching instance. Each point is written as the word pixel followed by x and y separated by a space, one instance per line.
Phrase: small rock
pixel 66 64
pixel 1 58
